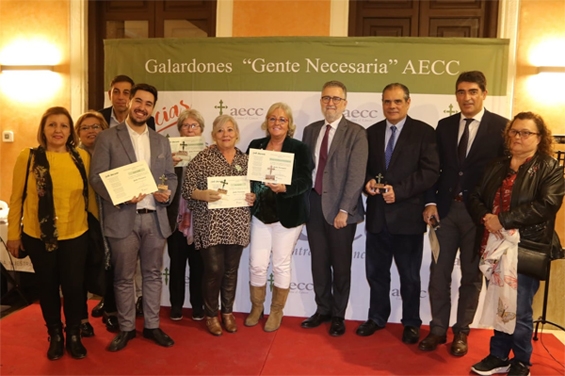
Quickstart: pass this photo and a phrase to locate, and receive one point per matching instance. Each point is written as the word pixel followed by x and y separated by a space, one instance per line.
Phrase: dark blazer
pixel 413 169
pixel 107 113
pixel 114 149
pixel 488 144
pixel 345 169
pixel 293 206
pixel 537 195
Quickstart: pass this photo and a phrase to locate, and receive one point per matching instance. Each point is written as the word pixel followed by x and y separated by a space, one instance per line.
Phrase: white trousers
pixel 278 239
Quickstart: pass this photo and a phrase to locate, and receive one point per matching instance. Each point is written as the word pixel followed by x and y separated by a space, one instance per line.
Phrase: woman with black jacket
pixel 523 191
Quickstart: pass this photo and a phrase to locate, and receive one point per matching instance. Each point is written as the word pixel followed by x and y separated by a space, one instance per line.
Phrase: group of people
pixel 477 174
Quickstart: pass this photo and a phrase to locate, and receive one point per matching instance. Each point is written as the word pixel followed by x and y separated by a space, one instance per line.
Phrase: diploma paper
pixel 231 188
pixel 124 183
pixel 186 148
pixel 434 243
pixel 270 166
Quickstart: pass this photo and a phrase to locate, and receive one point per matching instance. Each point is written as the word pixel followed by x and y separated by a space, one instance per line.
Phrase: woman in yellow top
pixel 54 226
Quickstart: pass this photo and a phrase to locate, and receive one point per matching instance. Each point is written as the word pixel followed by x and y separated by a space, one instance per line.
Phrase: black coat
pixel 487 146
pixel 413 169
pixel 537 195
pixel 293 206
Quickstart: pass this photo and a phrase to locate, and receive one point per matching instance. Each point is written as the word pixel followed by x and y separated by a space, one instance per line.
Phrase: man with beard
pixel 140 226
pixel 339 150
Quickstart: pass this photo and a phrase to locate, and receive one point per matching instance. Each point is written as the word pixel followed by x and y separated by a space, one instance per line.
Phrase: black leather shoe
pixel 410 335
pixel 459 345
pixel 111 322
pixel 431 342
pixel 338 327
pixel 158 336
pixel 98 310
pixel 368 328
pixel 121 340
pixel 315 320
pixel 139 306
pixel 86 330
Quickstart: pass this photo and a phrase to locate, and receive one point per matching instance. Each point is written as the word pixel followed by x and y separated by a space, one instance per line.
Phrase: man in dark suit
pixel 467 142
pixel 140 227
pixel 119 92
pixel 403 163
pixel 339 150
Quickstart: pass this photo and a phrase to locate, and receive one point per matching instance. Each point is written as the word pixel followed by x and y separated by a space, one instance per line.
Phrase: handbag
pixel 533 259
pixel 21 253
pixel 95 279
pixel 95 268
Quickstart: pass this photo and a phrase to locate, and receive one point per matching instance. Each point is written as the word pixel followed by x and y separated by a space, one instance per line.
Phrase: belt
pixel 458 198
pixel 145 211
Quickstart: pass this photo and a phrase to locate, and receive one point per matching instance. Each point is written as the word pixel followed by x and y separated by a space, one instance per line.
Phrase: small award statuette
pixel 380 186
pixel 222 190
pixel 270 175
pixel 183 152
pixel 163 188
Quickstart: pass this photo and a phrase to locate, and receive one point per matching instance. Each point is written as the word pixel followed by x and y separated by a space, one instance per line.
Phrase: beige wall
pixel 541 25
pixel 27 22
pixel 539 21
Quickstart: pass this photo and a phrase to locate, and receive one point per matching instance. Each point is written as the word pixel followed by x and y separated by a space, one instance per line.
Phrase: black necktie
pixel 464 142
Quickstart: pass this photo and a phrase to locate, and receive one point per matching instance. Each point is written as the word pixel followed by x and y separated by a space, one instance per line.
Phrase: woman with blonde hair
pixel 279 214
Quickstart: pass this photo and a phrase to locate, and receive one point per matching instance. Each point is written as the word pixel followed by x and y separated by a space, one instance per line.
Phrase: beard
pixel 135 122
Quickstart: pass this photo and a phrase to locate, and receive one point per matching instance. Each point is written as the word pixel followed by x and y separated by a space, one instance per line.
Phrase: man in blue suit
pixel 403 164
pixel 140 227
pixel 467 142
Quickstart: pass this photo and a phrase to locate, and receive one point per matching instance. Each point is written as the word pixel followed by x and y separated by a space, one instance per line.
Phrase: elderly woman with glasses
pixel 523 191
pixel 181 247
pixel 279 214
pixel 220 234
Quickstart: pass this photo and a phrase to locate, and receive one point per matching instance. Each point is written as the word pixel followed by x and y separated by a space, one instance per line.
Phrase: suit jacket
pixel 488 144
pixel 107 113
pixel 114 149
pixel 413 169
pixel 344 174
pixel 293 206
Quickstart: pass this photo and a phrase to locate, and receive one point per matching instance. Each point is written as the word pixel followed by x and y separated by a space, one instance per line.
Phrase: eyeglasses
pixel 94 127
pixel 523 134
pixel 326 99
pixel 191 126
pixel 281 120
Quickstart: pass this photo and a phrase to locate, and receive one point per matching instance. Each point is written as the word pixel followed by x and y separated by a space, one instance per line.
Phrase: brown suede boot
pixel 229 322
pixel 213 325
pixel 257 295
pixel 277 305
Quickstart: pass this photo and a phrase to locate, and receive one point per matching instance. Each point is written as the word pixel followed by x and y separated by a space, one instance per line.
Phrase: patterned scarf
pixel 46 207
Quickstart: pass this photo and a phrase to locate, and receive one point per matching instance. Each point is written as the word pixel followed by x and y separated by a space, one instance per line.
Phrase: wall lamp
pixel 26 68
pixel 551 69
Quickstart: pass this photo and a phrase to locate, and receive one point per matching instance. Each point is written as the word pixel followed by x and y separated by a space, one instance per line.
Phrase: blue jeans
pixel 521 341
